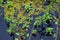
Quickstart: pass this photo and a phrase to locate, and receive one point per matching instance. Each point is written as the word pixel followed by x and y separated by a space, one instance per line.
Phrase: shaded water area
pixel 3 27
pixel 5 36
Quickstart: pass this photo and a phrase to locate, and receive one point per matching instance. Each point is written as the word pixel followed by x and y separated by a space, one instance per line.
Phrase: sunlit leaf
pixel 9 31
pixel 27 6
pixel 25 26
pixel 34 31
pixel 9 3
pixel 16 38
pixel 27 35
pixel 17 33
pixel 49 29
pixel 56 22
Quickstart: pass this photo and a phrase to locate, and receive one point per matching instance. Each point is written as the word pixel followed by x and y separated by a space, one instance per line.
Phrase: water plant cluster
pixel 20 15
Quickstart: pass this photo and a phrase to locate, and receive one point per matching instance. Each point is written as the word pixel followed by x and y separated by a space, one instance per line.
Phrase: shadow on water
pixel 3 27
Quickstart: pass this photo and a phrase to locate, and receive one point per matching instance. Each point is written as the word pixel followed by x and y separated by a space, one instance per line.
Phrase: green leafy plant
pixel 49 30
pixel 21 31
pixel 34 31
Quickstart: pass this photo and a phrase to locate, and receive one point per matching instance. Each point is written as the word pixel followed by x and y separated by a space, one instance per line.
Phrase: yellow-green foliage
pixel 58 1
pixel 9 12
pixel 22 16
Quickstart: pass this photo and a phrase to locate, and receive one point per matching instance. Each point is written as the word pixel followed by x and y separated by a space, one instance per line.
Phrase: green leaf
pixel 34 31
pixel 9 31
pixel 29 18
pixel 12 25
pixel 27 35
pixel 36 22
pixel 16 38
pixel 1 1
pixel 9 3
pixel 27 6
pixel 58 1
pixel 26 29
pixel 49 29
pixel 25 26
pixel 56 22
pixel 7 19
pixel 17 33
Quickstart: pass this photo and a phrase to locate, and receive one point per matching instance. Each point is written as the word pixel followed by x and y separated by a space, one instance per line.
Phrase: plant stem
pixel 31 33
pixel 19 29
pixel 56 33
pixel 13 36
pixel 57 29
pixel 19 38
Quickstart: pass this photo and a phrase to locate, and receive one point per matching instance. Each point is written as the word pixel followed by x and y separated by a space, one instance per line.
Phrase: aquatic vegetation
pixel 34 31
pixel 20 15
pixel 49 29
